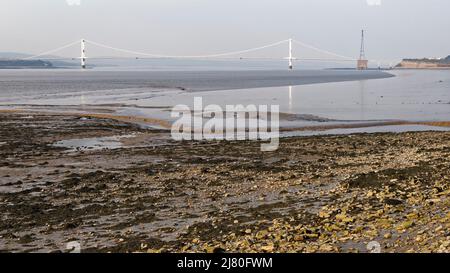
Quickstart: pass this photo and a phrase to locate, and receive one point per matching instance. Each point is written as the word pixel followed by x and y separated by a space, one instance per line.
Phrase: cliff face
pixel 422 65
pixel 425 63
pixel 25 64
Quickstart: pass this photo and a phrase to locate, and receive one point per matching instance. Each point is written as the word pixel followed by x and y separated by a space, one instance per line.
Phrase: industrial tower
pixel 363 63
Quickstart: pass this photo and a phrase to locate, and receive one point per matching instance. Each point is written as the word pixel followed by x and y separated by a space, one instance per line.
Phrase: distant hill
pixel 13 55
pixel 425 63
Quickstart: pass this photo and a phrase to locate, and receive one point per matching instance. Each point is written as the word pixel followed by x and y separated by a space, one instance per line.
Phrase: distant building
pixel 363 64
pixel 425 63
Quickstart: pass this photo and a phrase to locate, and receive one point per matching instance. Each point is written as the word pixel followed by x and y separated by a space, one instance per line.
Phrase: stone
pixel 405 225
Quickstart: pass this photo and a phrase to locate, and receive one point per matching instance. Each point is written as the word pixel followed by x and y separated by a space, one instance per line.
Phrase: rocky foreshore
pixel 139 191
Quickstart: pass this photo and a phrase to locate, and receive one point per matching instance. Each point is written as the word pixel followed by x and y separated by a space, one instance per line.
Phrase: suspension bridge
pixel 361 62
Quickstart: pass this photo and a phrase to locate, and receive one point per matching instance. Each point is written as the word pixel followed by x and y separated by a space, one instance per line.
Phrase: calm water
pixel 412 95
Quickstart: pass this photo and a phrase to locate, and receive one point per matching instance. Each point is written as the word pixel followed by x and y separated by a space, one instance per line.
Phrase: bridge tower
pixel 291 58
pixel 83 54
pixel 363 63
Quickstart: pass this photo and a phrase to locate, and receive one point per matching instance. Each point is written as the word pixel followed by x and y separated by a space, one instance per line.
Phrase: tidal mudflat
pixel 136 190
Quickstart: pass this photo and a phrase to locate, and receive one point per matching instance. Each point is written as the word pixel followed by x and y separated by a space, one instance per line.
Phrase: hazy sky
pixel 395 28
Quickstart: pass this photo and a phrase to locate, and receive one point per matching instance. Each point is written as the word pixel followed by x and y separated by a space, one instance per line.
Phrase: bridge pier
pixel 362 64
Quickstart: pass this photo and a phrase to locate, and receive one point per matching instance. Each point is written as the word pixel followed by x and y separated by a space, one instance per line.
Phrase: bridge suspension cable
pixel 53 50
pixel 187 56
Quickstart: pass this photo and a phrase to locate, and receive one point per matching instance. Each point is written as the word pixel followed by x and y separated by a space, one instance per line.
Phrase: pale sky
pixel 395 28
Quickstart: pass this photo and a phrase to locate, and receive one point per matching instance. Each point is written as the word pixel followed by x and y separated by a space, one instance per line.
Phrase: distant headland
pixel 425 63
pixel 22 64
